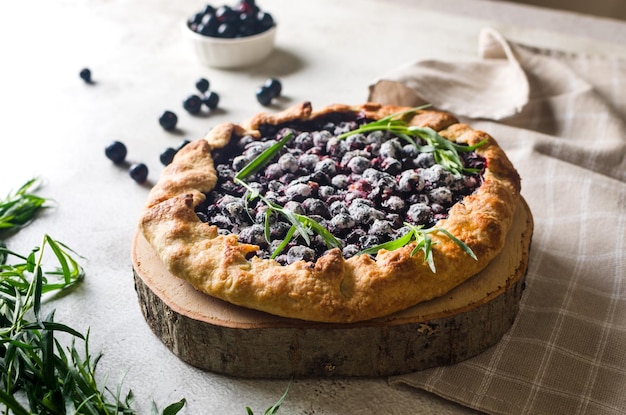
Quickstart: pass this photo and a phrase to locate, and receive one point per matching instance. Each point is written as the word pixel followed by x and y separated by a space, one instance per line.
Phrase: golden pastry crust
pixel 332 289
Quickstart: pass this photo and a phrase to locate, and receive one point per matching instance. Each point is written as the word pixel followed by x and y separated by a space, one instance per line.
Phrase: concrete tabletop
pixel 56 127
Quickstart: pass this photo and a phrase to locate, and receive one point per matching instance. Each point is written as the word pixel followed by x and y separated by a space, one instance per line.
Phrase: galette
pixel 342 214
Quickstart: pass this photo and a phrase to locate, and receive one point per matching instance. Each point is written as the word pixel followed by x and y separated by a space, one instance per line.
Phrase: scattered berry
pixel 193 104
pixel 211 100
pixel 275 86
pixel 272 88
pixel 85 75
pixel 202 85
pixel 116 152
pixel 167 156
pixel 264 95
pixel 168 120
pixel 139 172
pixel 182 144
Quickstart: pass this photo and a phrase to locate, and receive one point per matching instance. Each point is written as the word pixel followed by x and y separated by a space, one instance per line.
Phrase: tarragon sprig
pixel 37 374
pixel 445 152
pixel 301 225
pixel 51 378
pixel 19 208
pixel 423 242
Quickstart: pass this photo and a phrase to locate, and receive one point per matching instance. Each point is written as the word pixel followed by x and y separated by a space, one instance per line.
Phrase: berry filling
pixel 362 189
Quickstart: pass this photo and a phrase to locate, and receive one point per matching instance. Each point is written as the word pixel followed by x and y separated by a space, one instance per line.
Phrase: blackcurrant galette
pixel 339 215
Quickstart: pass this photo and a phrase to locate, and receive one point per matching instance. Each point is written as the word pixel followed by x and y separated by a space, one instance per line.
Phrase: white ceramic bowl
pixel 230 53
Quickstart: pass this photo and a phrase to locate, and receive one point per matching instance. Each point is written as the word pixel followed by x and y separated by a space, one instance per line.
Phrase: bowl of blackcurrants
pixel 231 36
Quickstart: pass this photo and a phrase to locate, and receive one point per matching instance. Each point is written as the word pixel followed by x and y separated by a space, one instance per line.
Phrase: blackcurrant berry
pixel 265 20
pixel 139 172
pixel 116 152
pixel 182 144
pixel 211 100
pixel 85 75
pixel 193 104
pixel 208 26
pixel 264 95
pixel 202 85
pixel 167 156
pixel 196 19
pixel 227 30
pixel 248 7
pixel 226 14
pixel 247 25
pixel 208 9
pixel 168 120
pixel 275 86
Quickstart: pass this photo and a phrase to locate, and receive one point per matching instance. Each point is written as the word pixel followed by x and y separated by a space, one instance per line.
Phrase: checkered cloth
pixel 561 118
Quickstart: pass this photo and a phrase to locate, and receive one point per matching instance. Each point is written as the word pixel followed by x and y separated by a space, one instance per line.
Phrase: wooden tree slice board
pixel 217 336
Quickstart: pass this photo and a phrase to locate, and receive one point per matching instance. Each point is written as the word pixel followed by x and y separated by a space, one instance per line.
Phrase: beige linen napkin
pixel 562 120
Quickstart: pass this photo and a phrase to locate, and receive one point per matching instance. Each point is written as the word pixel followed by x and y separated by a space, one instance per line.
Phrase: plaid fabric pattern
pixel 566 351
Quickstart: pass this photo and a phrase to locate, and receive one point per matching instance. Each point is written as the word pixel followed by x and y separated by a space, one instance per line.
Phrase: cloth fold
pixel 434 82
pixel 561 118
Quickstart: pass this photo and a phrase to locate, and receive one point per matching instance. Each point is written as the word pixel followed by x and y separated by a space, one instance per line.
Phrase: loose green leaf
pixel 34 363
pixel 52 378
pixel 10 403
pixel 19 208
pixel 3 253
pixel 273 410
pixel 174 408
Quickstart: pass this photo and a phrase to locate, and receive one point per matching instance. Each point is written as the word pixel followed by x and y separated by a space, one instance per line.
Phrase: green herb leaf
pixel 272 410
pixel 390 245
pixel 460 243
pixel 423 242
pixel 174 408
pixel 19 208
pixel 51 378
pixel 329 239
pixel 262 159
pixel 285 242
pixel 300 225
